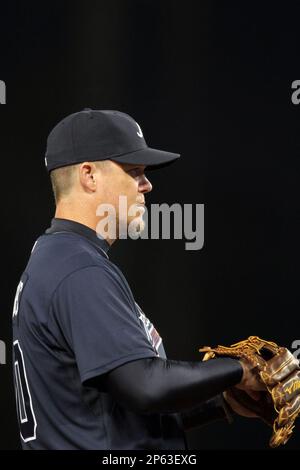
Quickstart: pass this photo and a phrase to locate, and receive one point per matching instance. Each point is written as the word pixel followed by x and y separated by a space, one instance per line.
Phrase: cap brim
pixel 151 158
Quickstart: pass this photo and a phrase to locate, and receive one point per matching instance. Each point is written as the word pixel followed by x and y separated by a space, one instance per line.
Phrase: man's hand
pixel 251 381
pixel 251 385
pixel 249 397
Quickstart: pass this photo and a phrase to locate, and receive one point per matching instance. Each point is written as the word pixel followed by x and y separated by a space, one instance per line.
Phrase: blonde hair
pixel 62 179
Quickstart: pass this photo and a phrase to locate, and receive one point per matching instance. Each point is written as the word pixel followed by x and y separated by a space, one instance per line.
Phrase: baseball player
pixel 90 370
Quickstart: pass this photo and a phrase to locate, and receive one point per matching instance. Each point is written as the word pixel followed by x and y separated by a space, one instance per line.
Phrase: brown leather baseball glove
pixel 279 371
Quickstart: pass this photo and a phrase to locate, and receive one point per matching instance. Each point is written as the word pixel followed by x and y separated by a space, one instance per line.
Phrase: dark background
pixel 210 80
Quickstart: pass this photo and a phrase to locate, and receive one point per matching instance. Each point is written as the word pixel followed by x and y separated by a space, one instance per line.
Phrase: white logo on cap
pixel 140 134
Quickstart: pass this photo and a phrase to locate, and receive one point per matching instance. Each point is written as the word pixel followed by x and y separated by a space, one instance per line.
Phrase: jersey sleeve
pixel 95 312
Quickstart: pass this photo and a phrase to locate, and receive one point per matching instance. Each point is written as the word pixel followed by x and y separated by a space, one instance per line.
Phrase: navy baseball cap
pixel 94 135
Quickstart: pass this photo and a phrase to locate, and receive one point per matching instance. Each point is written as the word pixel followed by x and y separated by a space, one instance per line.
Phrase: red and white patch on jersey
pixel 152 334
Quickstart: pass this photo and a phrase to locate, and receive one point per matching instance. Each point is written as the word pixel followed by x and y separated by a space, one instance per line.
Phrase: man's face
pixel 130 182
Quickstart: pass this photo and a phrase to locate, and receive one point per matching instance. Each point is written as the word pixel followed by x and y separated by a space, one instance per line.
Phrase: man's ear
pixel 87 171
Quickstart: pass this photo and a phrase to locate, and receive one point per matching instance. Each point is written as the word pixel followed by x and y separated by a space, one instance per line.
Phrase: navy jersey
pixel 75 319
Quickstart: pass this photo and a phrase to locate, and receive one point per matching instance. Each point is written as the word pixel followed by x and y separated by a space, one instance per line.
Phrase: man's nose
pixel 144 185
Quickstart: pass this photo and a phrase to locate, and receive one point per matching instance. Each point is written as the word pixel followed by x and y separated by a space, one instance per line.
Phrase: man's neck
pixel 83 218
